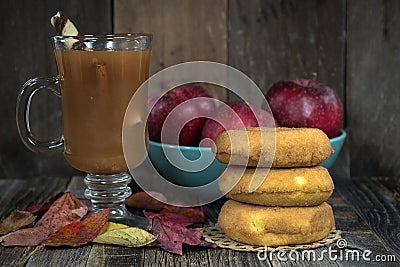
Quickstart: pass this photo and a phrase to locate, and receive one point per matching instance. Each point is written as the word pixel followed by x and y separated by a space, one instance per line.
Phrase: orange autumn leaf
pixel 79 233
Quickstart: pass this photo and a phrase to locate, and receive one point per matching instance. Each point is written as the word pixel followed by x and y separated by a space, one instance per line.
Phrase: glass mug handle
pixel 28 90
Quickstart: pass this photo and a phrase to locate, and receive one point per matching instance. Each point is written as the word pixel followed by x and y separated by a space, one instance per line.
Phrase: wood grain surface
pixel 373 96
pixel 358 235
pixel 376 202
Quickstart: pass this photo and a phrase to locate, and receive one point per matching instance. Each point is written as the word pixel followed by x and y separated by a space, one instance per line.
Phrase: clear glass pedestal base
pixel 110 191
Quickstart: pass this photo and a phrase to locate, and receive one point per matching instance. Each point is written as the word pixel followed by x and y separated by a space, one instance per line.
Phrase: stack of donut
pixel 288 207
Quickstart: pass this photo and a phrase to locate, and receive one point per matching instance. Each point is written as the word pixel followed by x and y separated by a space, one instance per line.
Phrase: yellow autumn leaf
pixel 128 237
pixel 110 226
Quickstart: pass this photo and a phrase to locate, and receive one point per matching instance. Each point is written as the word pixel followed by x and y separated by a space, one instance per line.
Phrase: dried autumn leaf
pixel 196 214
pixel 110 226
pixel 127 236
pixel 45 205
pixel 16 220
pixel 79 233
pixel 143 201
pixel 80 211
pixel 60 213
pixel 26 237
pixel 172 232
pixel 169 219
pixel 57 216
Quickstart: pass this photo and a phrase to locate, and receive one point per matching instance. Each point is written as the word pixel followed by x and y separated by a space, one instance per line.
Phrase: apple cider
pixel 96 87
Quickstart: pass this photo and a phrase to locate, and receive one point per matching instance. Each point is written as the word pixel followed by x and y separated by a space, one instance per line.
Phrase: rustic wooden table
pixel 366 211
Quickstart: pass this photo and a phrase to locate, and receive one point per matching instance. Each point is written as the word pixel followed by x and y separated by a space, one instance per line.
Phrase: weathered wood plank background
pixel 353 45
pixel 26 52
pixel 373 109
pixel 277 40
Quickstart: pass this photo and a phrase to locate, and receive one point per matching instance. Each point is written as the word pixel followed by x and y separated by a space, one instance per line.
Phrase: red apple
pixel 306 103
pixel 192 112
pixel 223 118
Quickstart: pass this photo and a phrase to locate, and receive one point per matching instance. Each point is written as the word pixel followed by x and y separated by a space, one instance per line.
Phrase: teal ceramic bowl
pixel 337 144
pixel 197 166
pixel 185 165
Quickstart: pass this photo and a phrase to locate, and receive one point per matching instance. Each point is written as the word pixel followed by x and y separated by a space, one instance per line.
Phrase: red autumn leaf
pixel 16 220
pixel 170 224
pixel 45 205
pixel 79 233
pixel 169 219
pixel 80 211
pixel 59 214
pixel 172 231
pixel 195 213
pixel 26 237
pixel 143 201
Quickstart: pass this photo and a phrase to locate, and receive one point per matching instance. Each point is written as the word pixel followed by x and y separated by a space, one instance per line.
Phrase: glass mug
pixel 97 82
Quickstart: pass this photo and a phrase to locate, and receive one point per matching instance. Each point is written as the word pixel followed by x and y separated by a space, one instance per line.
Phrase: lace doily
pixel 213 234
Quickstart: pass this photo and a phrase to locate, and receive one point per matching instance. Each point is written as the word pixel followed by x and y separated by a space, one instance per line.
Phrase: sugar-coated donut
pixel 280 187
pixel 275 226
pixel 293 147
